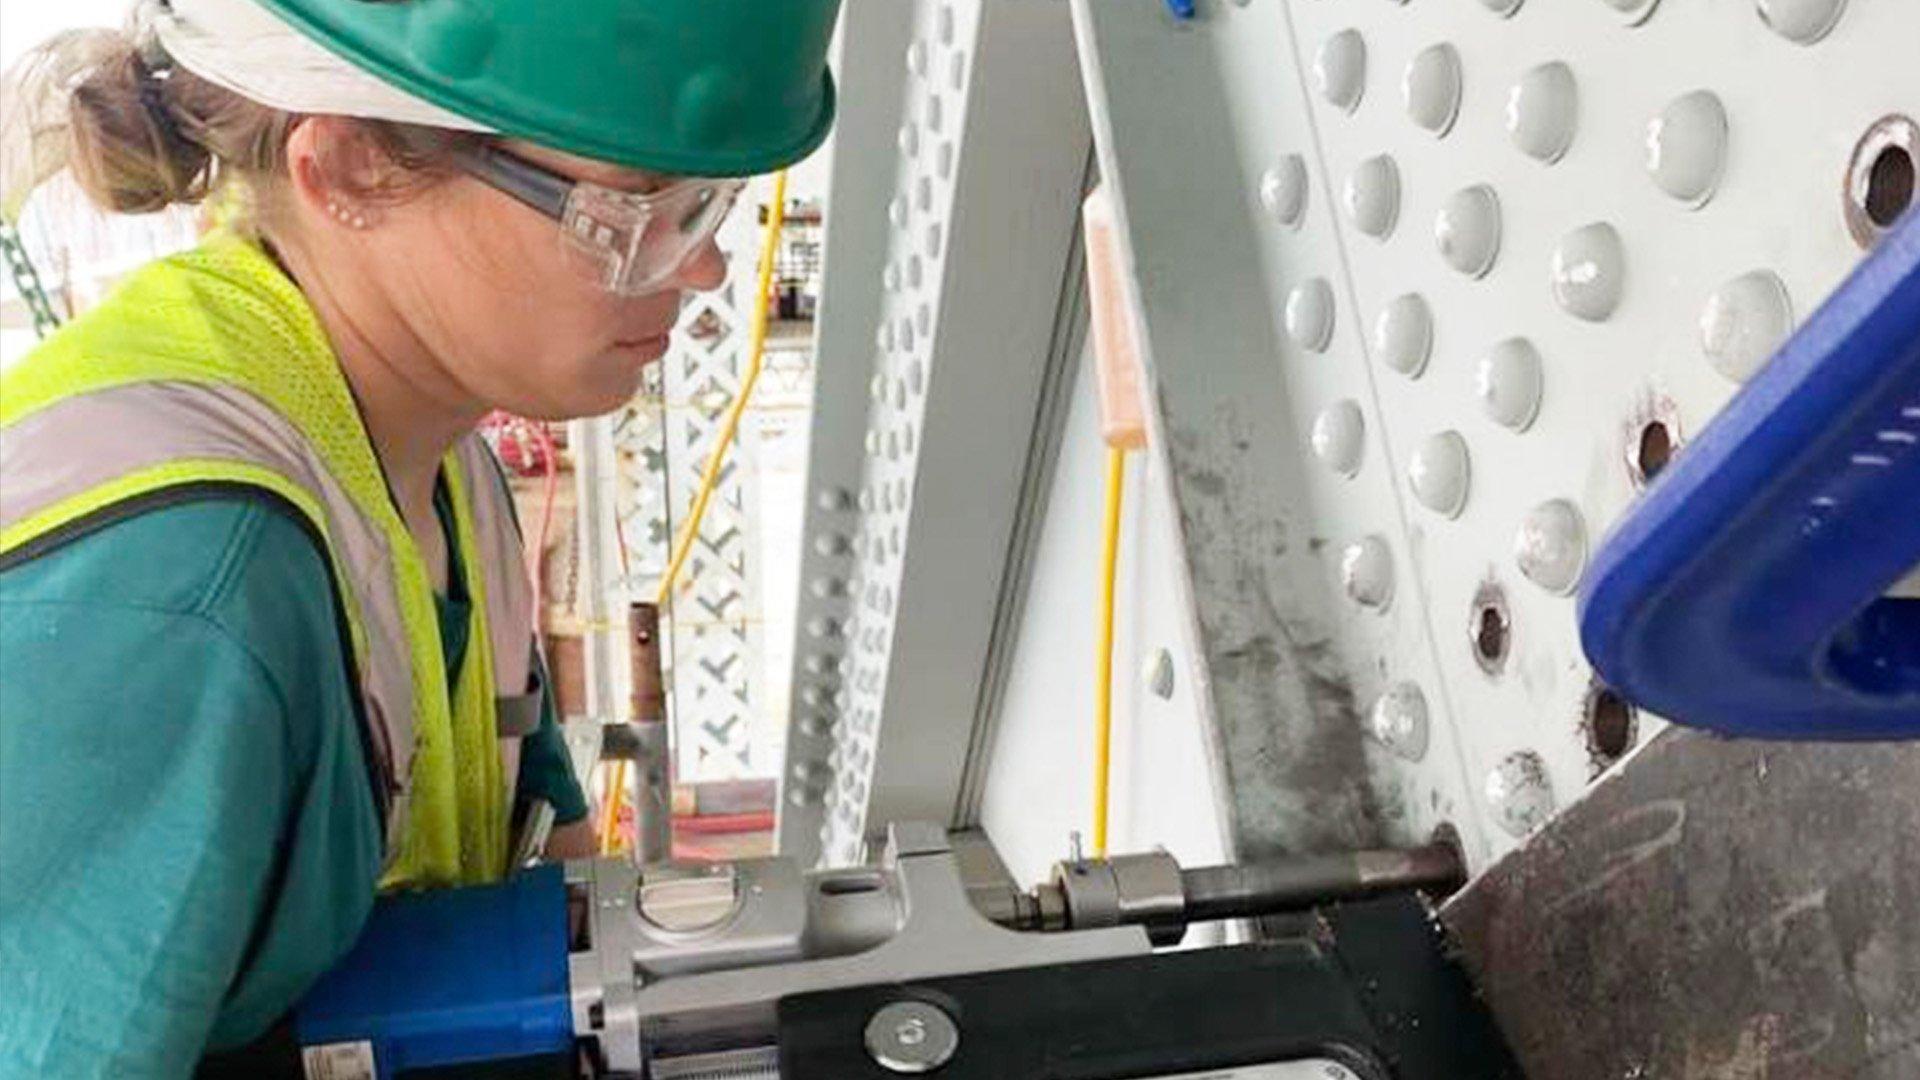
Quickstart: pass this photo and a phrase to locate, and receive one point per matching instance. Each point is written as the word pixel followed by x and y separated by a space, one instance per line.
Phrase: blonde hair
pixel 144 134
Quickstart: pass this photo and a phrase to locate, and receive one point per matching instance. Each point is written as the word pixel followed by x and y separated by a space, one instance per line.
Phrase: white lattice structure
pixel 641 468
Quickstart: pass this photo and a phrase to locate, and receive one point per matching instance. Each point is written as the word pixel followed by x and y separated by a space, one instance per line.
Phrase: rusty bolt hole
pixel 1654 452
pixel 1492 634
pixel 1445 833
pixel 1880 179
pixel 1889 186
pixel 1611 723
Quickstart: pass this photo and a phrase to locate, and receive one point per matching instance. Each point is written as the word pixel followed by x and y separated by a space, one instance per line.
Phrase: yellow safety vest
pixel 209 369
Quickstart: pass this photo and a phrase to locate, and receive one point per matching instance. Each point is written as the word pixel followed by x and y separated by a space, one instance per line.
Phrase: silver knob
pixel 911 1037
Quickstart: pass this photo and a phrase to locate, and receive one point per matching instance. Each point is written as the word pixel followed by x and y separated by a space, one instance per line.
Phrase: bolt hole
pixel 1492 634
pixel 1655 450
pixel 1611 723
pixel 1492 639
pixel 1446 833
pixel 1890 184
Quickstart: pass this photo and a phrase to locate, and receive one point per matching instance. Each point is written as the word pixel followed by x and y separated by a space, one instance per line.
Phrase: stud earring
pixel 352 219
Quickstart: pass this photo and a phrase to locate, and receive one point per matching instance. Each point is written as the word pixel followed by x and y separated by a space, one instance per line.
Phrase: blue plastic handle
pixel 1748 590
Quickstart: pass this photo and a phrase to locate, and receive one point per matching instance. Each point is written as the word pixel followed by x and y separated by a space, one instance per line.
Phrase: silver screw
pixel 911 1037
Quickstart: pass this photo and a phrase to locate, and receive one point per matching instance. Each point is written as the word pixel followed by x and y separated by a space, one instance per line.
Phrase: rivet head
pixel 1403 334
pixel 1502 8
pixel 1372 196
pixel 1340 70
pixel 1366 572
pixel 1309 314
pixel 1439 473
pixel 1399 720
pixel 1339 437
pixel 1520 793
pixel 1431 88
pixel 1542 112
pixel 897 211
pixel 1743 322
pixel 1283 190
pixel 1801 21
pixel 1508 383
pixel 1634 12
pixel 1158 675
pixel 1588 272
pixel 812 774
pixel 1551 546
pixel 1467 230
pixel 1687 147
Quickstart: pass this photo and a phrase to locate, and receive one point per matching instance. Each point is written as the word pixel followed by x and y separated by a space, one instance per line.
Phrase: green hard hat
pixel 697 87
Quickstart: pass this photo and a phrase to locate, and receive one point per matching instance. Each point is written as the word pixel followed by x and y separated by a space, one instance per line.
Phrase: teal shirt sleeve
pixel 186 826
pixel 546 769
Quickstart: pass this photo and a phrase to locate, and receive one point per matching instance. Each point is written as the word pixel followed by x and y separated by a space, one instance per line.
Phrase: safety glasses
pixel 631 244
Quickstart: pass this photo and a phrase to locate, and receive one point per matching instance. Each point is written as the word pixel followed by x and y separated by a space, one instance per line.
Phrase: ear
pixel 339 172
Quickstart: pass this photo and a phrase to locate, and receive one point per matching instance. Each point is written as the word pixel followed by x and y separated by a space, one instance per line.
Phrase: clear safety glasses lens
pixel 634 243
pixel 629 243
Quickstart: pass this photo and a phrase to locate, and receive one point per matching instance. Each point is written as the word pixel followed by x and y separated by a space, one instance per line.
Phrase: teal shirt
pixel 188 837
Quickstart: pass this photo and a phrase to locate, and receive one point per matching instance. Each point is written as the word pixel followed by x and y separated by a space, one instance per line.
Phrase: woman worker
pixel 267 645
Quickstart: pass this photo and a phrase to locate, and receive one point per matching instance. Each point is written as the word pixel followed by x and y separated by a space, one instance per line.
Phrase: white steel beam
pixel 981 221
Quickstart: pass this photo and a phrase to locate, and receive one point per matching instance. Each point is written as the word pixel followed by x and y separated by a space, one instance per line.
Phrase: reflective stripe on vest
pixel 210 367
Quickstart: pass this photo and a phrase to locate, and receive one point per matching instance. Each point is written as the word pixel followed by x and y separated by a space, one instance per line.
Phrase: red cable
pixel 549 460
pixel 724 824
pixel 620 537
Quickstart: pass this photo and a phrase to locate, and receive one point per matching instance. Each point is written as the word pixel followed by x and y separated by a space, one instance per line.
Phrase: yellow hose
pixel 709 478
pixel 1103 684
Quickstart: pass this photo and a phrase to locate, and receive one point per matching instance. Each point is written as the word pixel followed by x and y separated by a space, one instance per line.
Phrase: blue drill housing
pixel 452 977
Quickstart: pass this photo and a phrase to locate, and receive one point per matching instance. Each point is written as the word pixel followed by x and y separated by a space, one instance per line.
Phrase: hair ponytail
pixel 141 133
pixel 137 145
